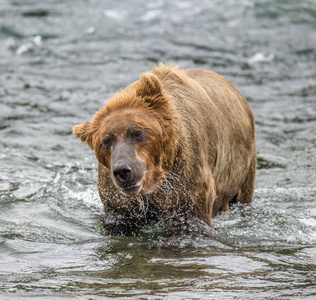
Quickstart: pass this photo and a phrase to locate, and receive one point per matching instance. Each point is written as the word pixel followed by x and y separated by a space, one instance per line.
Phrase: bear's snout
pixel 126 178
pixel 127 170
pixel 122 172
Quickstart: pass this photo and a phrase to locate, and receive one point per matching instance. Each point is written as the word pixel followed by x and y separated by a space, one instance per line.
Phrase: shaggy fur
pixel 199 146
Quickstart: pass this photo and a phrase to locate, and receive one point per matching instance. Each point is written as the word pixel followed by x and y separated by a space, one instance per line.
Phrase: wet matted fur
pixel 174 143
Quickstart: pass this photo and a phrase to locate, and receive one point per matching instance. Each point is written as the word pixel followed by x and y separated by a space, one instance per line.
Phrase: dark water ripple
pixel 61 60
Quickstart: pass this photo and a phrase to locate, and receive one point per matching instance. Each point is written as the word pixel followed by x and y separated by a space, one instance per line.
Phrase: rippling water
pixel 61 60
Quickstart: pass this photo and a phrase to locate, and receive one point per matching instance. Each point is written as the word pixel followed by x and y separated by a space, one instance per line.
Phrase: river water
pixel 61 60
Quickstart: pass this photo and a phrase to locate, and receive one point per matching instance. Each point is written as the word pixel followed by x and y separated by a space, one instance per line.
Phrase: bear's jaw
pixel 131 190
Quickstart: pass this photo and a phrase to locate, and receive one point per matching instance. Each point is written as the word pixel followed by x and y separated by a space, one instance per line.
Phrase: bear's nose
pixel 122 172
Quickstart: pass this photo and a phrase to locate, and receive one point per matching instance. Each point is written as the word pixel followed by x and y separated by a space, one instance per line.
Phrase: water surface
pixel 60 61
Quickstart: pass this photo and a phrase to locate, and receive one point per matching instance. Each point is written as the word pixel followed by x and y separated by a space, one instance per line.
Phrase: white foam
pixel 27 47
pixel 184 5
pixel 308 222
pixel 24 48
pixel 37 40
pixel 91 30
pixel 113 14
pixel 151 15
pixel 260 57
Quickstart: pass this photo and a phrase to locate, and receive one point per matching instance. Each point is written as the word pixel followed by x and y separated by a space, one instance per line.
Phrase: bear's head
pixel 134 136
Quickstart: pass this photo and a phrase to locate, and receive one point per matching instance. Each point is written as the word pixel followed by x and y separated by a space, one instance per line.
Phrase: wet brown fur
pixel 201 141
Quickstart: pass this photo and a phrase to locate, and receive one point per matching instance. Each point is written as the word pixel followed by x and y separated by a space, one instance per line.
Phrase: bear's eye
pixel 108 141
pixel 137 135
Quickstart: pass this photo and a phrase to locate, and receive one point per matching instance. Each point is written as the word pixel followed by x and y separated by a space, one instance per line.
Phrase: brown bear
pixel 174 143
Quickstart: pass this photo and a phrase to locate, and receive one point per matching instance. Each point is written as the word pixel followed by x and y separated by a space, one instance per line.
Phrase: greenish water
pixel 61 60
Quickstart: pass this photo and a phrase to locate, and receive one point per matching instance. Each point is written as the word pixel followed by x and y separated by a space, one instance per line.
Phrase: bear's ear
pixel 148 85
pixel 83 132
pixel 149 88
